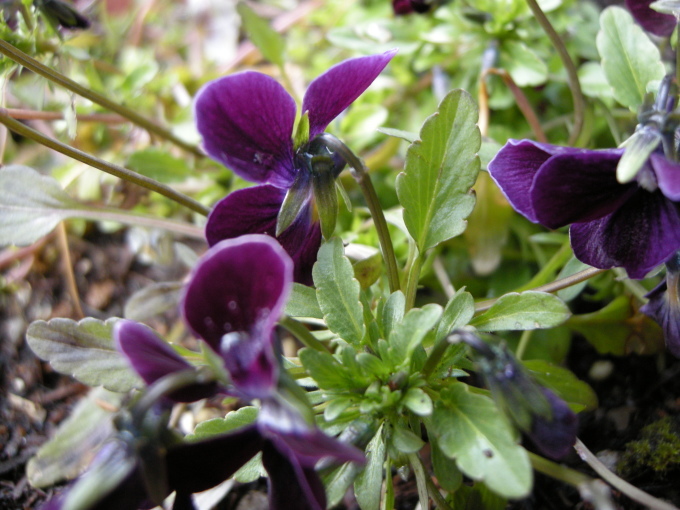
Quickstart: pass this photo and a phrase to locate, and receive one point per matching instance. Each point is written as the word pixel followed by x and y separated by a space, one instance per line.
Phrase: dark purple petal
pixel 291 486
pixel 639 236
pixel 514 169
pixel 555 437
pixel 667 176
pixel 653 21
pixel 246 121
pixel 254 211
pixel 664 306
pixel 239 286
pixel 152 358
pixel 305 258
pixel 578 187
pixel 251 363
pixel 200 465
pixel 402 7
pixel 314 445
pixel 332 92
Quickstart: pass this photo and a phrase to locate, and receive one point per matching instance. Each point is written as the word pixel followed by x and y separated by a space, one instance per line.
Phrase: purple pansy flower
pixel 246 121
pixel 653 21
pixel 635 225
pixel 664 305
pixel 235 295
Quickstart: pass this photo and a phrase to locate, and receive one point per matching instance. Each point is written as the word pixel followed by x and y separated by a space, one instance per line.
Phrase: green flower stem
pixel 412 283
pixel 572 74
pixel 523 344
pixel 434 356
pixel 360 174
pixel 560 284
pixel 633 286
pixel 556 262
pixel 28 62
pixel 118 171
pixel 426 488
pixel 619 484
pixel 299 331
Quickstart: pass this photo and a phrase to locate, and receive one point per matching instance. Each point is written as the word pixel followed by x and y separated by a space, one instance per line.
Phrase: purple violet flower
pixel 544 417
pixel 664 305
pixel 246 121
pixel 635 225
pixel 653 21
pixel 404 7
pixel 233 299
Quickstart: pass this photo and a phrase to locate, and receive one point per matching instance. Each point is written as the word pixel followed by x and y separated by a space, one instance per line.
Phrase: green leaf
pixel 267 40
pixel 418 402
pixel 153 300
pixel 458 313
pixel 338 292
pixel 435 187
pixel 471 430
pixel 303 303
pixel 448 475
pixel 31 205
pixel 368 485
pixel 157 164
pixel 630 60
pixel 398 133
pixel 328 372
pixel 409 333
pixel 523 64
pixel 523 311
pixel 392 313
pixel 405 441
pixel 72 448
pixel 564 383
pixel 338 481
pixel 84 350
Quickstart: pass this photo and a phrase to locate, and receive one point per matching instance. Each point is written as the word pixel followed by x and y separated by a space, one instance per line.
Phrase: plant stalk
pixel 110 168
pixel 28 62
pixel 572 74
pixel 360 174
pixel 299 331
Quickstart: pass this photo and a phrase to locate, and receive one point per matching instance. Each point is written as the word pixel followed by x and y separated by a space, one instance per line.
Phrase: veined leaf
pixel 409 333
pixel 303 302
pixel 368 485
pixel 434 188
pixel 470 429
pixel 84 350
pixel 523 311
pixel 630 60
pixel 338 292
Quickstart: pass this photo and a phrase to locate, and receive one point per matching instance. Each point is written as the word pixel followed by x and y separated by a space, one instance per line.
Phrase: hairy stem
pixel 117 171
pixel 28 62
pixel 572 74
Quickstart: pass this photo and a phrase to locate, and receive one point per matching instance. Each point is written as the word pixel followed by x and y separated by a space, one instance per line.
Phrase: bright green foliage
pixel 526 310
pixel 368 485
pixel 268 41
pixel 338 292
pixel 303 303
pixel 434 188
pixel 471 430
pixel 629 59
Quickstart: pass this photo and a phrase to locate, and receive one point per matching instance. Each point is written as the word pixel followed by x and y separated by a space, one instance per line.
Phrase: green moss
pixel 658 448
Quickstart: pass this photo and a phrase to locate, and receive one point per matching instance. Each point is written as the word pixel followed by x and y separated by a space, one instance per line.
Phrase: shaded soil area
pixel 635 429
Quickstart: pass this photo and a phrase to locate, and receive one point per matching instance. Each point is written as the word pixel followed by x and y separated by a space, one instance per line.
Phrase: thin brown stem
pixel 560 284
pixel 104 118
pixel 572 73
pixel 68 270
pixel 105 166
